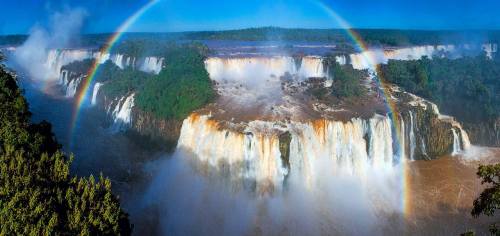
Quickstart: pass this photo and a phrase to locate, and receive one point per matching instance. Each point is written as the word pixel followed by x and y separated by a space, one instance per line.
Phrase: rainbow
pixel 369 57
pixel 91 74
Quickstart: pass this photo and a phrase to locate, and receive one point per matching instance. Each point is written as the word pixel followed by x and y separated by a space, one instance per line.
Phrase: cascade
pixel 248 68
pixel 152 65
pixel 354 146
pixel 95 91
pixel 402 148
pixel 456 142
pixel 412 137
pixel 465 139
pixel 341 59
pixel 367 58
pixel 122 113
pixel 63 78
pixel 73 86
pixel 57 58
pixel 117 59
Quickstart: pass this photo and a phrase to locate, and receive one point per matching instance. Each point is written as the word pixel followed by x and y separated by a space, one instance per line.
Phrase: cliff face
pixel 432 137
pixel 484 133
pixel 266 151
pixel 149 130
pixel 162 131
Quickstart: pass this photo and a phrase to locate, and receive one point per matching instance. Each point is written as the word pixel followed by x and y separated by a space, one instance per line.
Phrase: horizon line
pixel 283 28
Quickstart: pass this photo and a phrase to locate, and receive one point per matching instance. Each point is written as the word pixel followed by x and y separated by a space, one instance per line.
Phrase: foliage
pixel 120 82
pixel 38 196
pixel 79 67
pixel 489 200
pixel 467 88
pixel 347 81
pixel 181 87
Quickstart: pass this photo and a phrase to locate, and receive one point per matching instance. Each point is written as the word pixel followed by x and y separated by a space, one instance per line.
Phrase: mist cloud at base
pixel 189 200
pixel 63 29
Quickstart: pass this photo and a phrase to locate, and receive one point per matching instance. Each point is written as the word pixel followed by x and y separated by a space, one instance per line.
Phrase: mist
pixel 189 198
pixel 63 30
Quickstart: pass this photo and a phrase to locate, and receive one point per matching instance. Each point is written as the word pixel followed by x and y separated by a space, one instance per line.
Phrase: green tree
pixel 489 200
pixel 38 195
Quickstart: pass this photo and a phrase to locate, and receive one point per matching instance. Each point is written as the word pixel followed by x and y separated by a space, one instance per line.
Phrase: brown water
pixel 442 193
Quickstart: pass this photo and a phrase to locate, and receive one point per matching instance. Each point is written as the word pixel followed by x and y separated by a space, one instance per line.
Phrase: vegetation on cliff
pixel 467 88
pixel 181 87
pixel 347 82
pixel 38 195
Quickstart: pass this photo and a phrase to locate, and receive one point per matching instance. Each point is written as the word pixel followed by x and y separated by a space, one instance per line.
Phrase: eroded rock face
pixel 484 133
pixel 165 131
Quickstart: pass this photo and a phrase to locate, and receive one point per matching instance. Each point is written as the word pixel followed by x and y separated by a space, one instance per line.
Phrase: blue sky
pixel 19 16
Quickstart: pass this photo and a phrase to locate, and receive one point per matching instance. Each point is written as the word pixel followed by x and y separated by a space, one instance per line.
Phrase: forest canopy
pixel 467 88
pixel 38 194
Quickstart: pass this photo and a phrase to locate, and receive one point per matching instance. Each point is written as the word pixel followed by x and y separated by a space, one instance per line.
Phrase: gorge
pixel 276 133
pixel 286 124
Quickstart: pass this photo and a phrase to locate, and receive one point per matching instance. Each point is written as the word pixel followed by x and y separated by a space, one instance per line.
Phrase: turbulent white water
pixel 95 91
pixel 412 137
pixel 152 65
pixel 456 142
pixel 260 69
pixel 489 49
pixel 121 113
pixel 369 58
pixel 57 58
pixel 355 147
pixel 73 86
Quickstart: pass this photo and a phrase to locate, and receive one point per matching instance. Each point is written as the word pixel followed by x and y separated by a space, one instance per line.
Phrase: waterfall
pixel 355 147
pixel 465 139
pixel 152 65
pixel 95 91
pixel 252 68
pixel 367 58
pixel 341 59
pixel 252 155
pixel 402 147
pixel 456 142
pixel 311 67
pixel 412 137
pixel 63 78
pixel 57 58
pixel 122 113
pixel 118 60
pixel 73 86
pixel 422 146
pixel 489 49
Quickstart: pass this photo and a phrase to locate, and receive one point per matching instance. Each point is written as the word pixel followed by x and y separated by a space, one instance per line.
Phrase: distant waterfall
pixel 121 112
pixel 368 58
pixel 251 68
pixel 95 91
pixel 152 65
